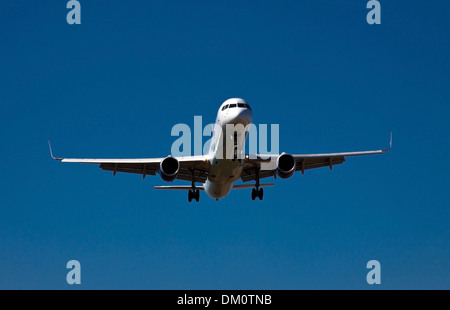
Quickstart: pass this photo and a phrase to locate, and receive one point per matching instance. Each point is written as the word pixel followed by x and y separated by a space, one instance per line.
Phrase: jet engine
pixel 285 165
pixel 169 168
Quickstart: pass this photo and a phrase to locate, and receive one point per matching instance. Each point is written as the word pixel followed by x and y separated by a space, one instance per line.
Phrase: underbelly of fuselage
pixel 227 152
pixel 222 175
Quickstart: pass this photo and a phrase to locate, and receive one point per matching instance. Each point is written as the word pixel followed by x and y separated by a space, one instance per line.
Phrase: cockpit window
pixel 234 105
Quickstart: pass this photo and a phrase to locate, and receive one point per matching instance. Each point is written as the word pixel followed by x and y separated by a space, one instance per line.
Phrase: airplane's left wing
pixel 257 167
pixel 192 168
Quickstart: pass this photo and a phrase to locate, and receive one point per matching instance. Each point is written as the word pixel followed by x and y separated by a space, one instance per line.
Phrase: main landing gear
pixel 257 192
pixel 193 194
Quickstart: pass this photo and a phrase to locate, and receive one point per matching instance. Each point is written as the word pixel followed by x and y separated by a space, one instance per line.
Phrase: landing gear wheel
pixel 197 195
pixel 193 194
pixel 260 194
pixel 253 193
pixel 257 192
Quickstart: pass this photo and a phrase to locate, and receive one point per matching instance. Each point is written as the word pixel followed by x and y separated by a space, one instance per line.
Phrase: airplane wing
pixel 267 168
pixel 192 168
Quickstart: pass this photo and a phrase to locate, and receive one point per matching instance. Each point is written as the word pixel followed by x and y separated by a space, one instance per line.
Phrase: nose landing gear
pixel 235 146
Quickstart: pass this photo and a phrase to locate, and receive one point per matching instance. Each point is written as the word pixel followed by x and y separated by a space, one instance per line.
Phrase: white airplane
pixel 223 166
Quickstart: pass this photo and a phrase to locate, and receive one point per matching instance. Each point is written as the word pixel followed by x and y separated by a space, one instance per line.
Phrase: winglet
pixel 390 144
pixel 390 141
pixel 51 152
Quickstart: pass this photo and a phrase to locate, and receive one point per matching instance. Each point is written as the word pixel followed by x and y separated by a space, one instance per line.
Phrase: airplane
pixel 223 166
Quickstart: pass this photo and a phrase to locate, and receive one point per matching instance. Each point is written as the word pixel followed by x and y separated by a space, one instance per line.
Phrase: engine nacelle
pixel 285 166
pixel 169 168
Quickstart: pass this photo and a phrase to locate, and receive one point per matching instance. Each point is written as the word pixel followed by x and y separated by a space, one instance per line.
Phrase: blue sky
pixel 116 84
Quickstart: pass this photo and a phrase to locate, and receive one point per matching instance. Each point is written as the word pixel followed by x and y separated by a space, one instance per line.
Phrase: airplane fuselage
pixel 226 151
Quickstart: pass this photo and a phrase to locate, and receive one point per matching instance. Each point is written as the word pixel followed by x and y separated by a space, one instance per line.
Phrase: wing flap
pixel 250 174
pixel 192 174
pixel 130 168
pixel 303 164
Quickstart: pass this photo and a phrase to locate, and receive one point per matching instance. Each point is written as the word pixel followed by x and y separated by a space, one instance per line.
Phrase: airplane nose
pixel 243 116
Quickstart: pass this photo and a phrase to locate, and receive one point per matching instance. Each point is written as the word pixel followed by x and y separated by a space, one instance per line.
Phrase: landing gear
pixel 257 192
pixel 235 146
pixel 193 194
